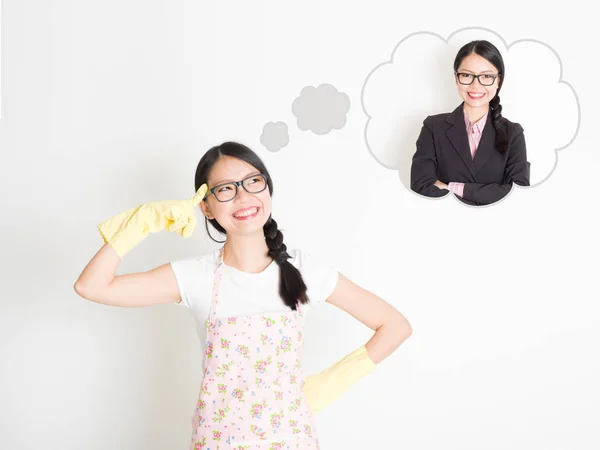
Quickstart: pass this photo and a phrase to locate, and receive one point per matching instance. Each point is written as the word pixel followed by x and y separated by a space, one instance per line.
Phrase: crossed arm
pixel 424 178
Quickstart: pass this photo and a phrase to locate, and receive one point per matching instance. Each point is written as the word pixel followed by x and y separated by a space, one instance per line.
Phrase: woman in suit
pixel 473 152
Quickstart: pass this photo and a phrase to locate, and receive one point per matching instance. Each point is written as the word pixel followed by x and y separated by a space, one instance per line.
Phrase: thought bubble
pixel 321 109
pixel 418 81
pixel 275 136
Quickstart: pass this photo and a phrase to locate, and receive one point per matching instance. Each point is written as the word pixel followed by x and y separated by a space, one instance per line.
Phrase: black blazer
pixel 443 153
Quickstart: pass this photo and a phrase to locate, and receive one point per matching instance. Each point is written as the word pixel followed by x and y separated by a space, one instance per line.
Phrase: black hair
pixel 488 51
pixel 292 288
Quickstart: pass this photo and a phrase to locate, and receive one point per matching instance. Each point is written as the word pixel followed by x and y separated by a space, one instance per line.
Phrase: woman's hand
pixel 440 185
pixel 124 231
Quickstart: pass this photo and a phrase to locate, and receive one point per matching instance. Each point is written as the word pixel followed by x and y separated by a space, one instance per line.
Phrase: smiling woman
pixel 473 152
pixel 250 300
pixel 242 213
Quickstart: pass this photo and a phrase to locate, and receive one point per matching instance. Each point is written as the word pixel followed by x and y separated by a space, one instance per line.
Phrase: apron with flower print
pixel 251 396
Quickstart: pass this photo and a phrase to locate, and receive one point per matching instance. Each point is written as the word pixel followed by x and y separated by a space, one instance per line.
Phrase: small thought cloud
pixel 275 136
pixel 418 81
pixel 321 109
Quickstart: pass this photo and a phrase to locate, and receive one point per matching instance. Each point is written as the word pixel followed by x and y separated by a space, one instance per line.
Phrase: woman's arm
pixel 423 171
pixel 517 171
pixel 391 329
pixel 99 283
pixel 390 326
pixel 121 233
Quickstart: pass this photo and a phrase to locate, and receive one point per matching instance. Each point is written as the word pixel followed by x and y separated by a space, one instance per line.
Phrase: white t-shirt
pixel 243 293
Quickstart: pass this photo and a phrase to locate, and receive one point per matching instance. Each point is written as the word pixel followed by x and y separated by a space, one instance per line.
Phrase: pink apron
pixel 251 396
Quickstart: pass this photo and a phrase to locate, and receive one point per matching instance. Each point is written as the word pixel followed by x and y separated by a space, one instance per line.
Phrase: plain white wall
pixel 110 104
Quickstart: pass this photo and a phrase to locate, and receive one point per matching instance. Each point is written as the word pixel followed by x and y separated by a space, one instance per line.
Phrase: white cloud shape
pixel 321 109
pixel 275 136
pixel 419 81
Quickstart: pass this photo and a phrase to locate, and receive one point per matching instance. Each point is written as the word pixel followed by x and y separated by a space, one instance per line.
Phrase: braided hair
pixel 292 288
pixel 488 51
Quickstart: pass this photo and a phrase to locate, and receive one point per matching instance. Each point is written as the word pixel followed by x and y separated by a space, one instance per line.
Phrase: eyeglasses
pixel 485 79
pixel 228 191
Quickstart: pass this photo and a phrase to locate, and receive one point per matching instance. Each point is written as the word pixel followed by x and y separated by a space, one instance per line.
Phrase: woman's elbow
pixel 415 187
pixel 82 290
pixel 79 288
pixel 417 182
pixel 406 330
pixel 85 292
pixel 402 328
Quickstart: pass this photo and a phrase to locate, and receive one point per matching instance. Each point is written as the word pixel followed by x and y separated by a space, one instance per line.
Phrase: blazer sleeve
pixel 423 171
pixel 516 171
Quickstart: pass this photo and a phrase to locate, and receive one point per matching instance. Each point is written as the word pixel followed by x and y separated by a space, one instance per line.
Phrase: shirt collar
pixel 479 124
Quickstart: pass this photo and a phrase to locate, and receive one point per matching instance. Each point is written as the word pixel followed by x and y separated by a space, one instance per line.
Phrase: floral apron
pixel 251 396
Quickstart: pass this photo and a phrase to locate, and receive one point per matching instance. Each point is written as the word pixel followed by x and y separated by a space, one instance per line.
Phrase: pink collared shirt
pixel 474 131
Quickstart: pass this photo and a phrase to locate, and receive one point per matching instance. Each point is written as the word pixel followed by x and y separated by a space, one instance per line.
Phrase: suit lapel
pixel 457 134
pixel 487 144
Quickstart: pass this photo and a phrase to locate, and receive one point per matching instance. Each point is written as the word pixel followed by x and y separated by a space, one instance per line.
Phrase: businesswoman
pixel 473 152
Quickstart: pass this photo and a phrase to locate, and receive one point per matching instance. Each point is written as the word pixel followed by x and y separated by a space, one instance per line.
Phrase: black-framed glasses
pixel 485 79
pixel 228 191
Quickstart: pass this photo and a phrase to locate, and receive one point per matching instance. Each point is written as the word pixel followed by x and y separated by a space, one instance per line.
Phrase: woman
pixel 473 152
pixel 250 300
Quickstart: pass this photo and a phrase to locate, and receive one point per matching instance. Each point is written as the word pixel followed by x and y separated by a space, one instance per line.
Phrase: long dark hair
pixel 488 51
pixel 292 288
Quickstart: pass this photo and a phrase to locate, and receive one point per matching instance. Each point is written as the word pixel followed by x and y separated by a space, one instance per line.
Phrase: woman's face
pixel 247 213
pixel 475 95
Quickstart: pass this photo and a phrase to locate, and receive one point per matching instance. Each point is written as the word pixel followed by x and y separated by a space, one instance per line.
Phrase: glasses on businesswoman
pixel 485 79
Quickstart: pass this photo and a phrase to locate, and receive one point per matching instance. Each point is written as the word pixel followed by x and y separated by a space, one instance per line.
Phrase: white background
pixel 110 104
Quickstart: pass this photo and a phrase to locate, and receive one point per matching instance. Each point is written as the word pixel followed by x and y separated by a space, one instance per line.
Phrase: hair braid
pixel 499 123
pixel 291 285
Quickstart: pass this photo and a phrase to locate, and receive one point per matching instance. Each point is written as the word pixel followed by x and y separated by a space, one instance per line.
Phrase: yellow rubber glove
pixel 325 387
pixel 124 231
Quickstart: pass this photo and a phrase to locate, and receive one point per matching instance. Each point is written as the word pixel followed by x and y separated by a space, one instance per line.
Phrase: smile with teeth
pixel 246 212
pixel 476 95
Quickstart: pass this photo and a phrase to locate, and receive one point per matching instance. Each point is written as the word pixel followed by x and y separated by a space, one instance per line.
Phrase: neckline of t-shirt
pixel 246 274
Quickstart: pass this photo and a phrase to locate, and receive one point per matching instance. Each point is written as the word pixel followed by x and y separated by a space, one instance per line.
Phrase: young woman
pixel 473 152
pixel 250 300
